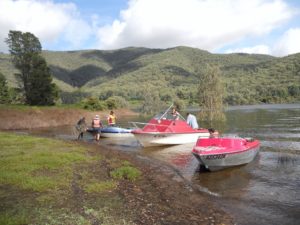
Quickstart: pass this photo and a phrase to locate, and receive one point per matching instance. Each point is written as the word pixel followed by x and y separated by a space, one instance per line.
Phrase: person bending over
pixel 192 121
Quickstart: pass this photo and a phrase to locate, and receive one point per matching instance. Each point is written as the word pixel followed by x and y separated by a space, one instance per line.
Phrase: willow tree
pixel 210 93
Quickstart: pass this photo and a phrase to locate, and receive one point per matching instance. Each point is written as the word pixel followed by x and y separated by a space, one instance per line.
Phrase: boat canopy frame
pixel 166 115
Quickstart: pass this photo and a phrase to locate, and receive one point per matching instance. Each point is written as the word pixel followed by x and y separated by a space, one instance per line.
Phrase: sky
pixel 219 26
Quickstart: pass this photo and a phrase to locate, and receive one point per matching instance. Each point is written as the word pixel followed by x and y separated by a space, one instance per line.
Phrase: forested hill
pixel 170 73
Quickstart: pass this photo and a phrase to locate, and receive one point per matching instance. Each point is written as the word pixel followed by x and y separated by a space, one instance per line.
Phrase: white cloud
pixel 204 24
pixel 289 43
pixel 45 19
pixel 258 49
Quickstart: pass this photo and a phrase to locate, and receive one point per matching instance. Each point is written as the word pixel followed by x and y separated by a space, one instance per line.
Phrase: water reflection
pixel 178 157
pixel 231 182
pixel 287 160
pixel 123 144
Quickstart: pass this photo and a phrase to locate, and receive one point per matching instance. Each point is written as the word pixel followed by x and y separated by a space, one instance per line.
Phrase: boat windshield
pixel 167 115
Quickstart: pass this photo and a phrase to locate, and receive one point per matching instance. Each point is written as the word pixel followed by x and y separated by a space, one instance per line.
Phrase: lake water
pixel 265 191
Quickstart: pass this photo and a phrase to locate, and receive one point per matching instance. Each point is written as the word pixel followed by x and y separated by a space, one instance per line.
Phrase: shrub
pixel 93 104
pixel 115 102
pixel 294 90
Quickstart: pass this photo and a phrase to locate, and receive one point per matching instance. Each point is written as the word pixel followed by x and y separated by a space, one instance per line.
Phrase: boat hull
pixel 164 129
pixel 223 159
pixel 160 139
pixel 114 132
pixel 116 135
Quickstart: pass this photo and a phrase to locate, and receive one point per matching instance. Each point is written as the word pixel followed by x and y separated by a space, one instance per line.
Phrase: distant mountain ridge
pixel 128 71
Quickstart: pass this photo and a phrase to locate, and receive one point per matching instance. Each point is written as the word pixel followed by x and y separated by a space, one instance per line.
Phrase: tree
pixel 4 92
pixel 115 102
pixel 210 94
pixel 34 77
pixel 42 90
pixel 94 104
pixel 152 103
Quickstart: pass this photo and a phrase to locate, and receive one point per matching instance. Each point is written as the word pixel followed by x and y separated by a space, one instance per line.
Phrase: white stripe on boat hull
pixel 159 139
pixel 116 135
pixel 221 161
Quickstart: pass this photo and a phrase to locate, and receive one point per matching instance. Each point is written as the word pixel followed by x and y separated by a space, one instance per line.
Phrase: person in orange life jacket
pixel 213 133
pixel 97 125
pixel 111 119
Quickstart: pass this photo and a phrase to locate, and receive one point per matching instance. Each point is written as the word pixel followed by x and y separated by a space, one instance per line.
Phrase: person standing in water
pixel 81 127
pixel 97 125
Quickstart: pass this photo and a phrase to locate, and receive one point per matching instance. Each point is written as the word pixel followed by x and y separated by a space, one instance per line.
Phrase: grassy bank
pixel 26 117
pixel 45 181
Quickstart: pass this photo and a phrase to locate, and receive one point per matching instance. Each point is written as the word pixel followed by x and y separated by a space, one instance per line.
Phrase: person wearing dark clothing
pixel 81 127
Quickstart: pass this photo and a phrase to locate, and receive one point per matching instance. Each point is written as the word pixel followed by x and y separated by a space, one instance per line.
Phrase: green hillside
pixel 170 73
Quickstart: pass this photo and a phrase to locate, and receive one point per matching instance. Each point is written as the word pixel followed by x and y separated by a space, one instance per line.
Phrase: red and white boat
pixel 219 153
pixel 163 129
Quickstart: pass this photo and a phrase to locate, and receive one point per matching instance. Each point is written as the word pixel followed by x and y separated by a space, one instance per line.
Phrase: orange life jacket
pixel 111 119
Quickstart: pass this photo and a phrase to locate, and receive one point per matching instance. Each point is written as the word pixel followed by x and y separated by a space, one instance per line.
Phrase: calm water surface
pixel 266 191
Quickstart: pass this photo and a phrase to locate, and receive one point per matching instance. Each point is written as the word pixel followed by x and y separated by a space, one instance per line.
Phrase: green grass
pixel 15 107
pixel 99 187
pixel 37 164
pixel 126 171
pixel 12 219
pixel 46 181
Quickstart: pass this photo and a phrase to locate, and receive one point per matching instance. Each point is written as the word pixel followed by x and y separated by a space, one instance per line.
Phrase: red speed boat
pixel 163 129
pixel 219 153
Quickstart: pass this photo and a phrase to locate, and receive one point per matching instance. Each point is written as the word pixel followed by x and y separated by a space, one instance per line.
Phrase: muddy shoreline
pixel 157 198
pixel 161 198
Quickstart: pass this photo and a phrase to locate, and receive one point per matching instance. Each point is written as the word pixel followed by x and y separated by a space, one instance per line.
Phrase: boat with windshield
pixel 165 129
